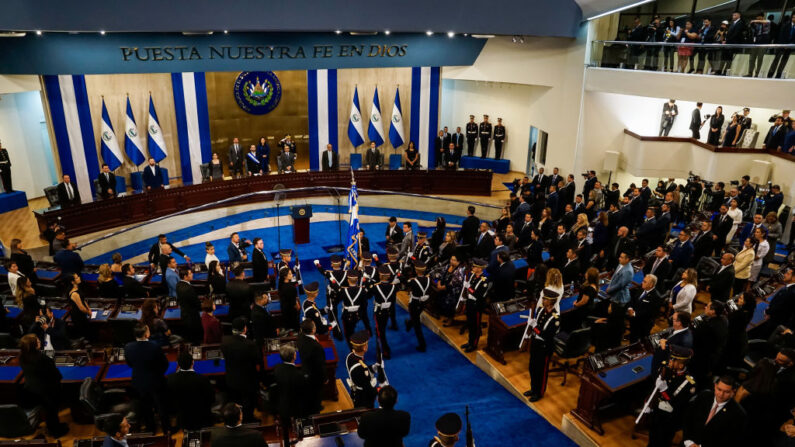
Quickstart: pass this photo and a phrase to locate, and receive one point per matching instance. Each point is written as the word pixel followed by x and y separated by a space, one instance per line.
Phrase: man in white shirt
pixel 13 276
pixel 330 160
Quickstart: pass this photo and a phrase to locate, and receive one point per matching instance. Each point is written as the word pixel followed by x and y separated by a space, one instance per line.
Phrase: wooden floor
pixel 84 431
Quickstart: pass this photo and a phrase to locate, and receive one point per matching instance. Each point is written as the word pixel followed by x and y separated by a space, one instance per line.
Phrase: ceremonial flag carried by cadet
pixel 396 123
pixel 155 141
pixel 355 129
pixel 375 132
pixel 111 153
pixel 132 141
pixel 352 249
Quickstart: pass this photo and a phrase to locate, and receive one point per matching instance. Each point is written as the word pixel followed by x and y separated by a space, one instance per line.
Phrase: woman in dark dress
pixel 107 285
pixel 437 237
pixel 737 340
pixel 23 259
pixel 79 311
pixel 411 157
pixel 732 133
pixel 158 329
pixel 446 248
pixel 600 233
pixel 43 381
pixel 505 219
pixel 584 305
pixel 715 125
pixel 264 154
pixel 26 299
pixel 216 278
pixel 535 249
pixel 288 298
pixel 216 168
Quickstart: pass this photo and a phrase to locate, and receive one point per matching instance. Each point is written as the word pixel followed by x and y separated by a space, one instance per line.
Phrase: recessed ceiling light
pixel 38 32
pixel 226 31
pixel 387 32
pixel 102 32
pixel 450 34
pixel 430 33
pixel 338 32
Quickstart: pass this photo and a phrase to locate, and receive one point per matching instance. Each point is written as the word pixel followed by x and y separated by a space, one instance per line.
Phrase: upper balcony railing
pixel 748 60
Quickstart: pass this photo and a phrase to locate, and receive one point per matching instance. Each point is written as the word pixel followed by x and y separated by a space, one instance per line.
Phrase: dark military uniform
pixel 361 378
pixel 396 270
pixel 353 298
pixel 312 312
pixel 541 347
pixel 485 135
pixel 384 296
pixel 447 428
pixel 299 283
pixel 668 408
pixel 419 294
pixel 499 138
pixel 335 279
pixel 475 289
pixel 472 137
pixel 422 252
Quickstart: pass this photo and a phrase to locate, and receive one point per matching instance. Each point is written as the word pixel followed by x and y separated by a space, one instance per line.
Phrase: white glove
pixel 316 262
pixel 662 385
pixel 375 256
pixel 532 322
pixel 466 284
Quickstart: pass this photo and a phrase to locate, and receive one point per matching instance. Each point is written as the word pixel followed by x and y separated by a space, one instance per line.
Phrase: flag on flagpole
pixel 352 248
pixel 396 123
pixel 376 129
pixel 111 153
pixel 155 141
pixel 355 129
pixel 132 141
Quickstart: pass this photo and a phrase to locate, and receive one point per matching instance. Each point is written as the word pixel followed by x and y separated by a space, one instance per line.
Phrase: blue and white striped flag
pixel 155 141
pixel 396 123
pixel 375 132
pixel 355 129
pixel 111 153
pixel 132 140
pixel 352 249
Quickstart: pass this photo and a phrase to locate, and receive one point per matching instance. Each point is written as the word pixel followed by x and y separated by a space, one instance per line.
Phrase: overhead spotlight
pixel 226 31
pixel 465 34
pixel 430 33
pixel 38 32
pixel 337 32
pixel 450 34
pixel 517 39
pixel 102 32
pixel 387 32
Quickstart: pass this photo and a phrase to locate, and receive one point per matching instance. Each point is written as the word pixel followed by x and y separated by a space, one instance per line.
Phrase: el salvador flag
pixel 352 245
pixel 376 130
pixel 355 129
pixel 155 141
pixel 132 141
pixel 396 123
pixel 111 153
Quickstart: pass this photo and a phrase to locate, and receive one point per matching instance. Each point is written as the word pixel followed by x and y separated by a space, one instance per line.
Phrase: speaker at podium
pixel 301 215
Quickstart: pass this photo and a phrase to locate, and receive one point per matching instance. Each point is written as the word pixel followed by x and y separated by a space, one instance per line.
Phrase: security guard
pixel 448 427
pixel 499 138
pixel 422 251
pixel 544 328
pixel 384 295
pixel 311 311
pixel 286 256
pixel 675 387
pixel 472 135
pixel 485 135
pixel 419 293
pixel 396 268
pixel 353 298
pixel 474 290
pixel 361 378
pixel 335 279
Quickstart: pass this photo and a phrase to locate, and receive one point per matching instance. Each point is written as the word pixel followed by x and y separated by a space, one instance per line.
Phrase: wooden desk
pixel 139 440
pixel 347 421
pixel 506 327
pixel 134 208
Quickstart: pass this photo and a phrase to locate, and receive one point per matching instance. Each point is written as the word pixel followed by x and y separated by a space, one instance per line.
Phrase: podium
pixel 301 215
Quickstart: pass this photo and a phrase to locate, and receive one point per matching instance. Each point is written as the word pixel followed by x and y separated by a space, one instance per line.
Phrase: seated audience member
pixel 210 324
pixel 106 283
pixel 159 333
pixel 131 287
pixel 385 426
pixel 42 382
pixel 233 434
pixel 149 365
pixel 117 428
pixel 714 419
pixel 191 395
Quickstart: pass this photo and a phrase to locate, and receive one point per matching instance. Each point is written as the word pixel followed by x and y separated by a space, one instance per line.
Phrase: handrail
pixel 712 148
pixel 696 44
pixel 279 191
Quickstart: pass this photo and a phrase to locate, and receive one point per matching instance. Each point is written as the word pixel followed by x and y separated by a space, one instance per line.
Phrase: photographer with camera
pixel 51 331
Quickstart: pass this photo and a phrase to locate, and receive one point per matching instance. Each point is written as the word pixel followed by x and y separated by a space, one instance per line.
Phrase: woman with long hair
pixel 216 168
pixel 737 340
pixel 672 33
pixel 504 220
pixel 535 249
pixel 545 223
pixel 288 297
pixel 216 278
pixel 737 216
pixel 437 237
pixel 509 237
pixel 116 266
pixel 601 234
pixel 715 126
pixel 264 154
pixel 43 381
pixel 27 300
pixel 732 132
pixel 210 324
pixel 761 247
pixel 554 282
pixel 449 286
pixel 585 302
pixel 685 52
pixel 446 248
pixel 582 222
pixel 23 259
pixel 742 265
pixel 411 157
pixel 158 329
pixel 106 283
pixel 684 292
pixel 79 311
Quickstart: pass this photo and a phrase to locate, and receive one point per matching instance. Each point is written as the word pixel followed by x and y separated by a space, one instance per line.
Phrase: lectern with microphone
pixel 301 215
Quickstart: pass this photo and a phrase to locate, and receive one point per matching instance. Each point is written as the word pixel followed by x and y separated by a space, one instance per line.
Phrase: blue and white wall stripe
pixel 425 111
pixel 322 99
pixel 193 124
pixel 74 132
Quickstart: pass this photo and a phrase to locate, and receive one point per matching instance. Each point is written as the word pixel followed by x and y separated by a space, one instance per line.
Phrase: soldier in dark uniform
pixel 484 131
pixel 367 278
pixel 396 268
pixel 544 328
pixel 5 169
pixel 675 387
pixel 475 288
pixel 499 138
pixel 384 295
pixel 311 311
pixel 336 278
pixel 422 252
pixel 472 135
pixel 448 428
pixel 353 298
pixel 361 377
pixel 286 256
pixel 418 294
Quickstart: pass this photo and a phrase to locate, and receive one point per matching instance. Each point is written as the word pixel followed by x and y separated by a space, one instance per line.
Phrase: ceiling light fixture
pixel 338 32
pixel 38 32
pixel 450 34
pixel 387 32
pixel 430 33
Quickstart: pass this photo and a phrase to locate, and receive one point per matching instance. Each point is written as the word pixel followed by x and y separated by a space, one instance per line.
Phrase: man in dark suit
pixel 190 308
pixel 670 112
pixel 449 158
pixel 620 244
pixel 560 243
pixel 555 178
pixel 518 216
pixel 773 200
pixel 503 278
pixel 682 251
pixel 68 260
pixel 658 265
pixel 458 140
pixel 568 191
pixel 232 434
pixel 695 121
pixel 330 160
pixel 714 418
pixel 236 158
pixel 373 160
pixel 734 35
pixel 239 294
pixel 385 427
pixel 589 183
pixel 68 194
pixel 291 387
pixel 155 251
pixel 484 243
pixel 132 288
pixel 572 269
pixel 5 169
pixel 149 365
pixel 786 35
pixel 720 285
pixel 152 176
pixel 107 183
pixel 244 366
pixel 286 160
pixel 313 365
pixel 646 233
pixel 644 308
pixel 703 242
pixel 775 136
pixel 469 228
pixel 259 260
pixel 439 147
pixel 117 428
pixel 262 324
pixel 393 233
pixel 722 224
pixel 192 395
pixel 682 336
pixel 236 250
